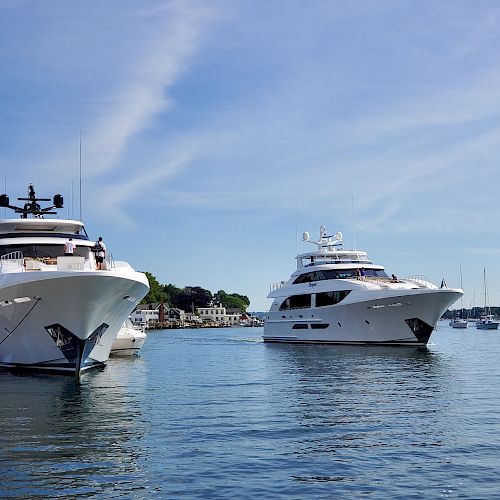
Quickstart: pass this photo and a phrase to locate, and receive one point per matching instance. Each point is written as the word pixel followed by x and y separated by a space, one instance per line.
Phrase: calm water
pixel 218 413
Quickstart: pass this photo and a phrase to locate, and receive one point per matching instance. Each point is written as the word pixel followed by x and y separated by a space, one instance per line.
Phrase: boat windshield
pixel 333 274
pixel 41 251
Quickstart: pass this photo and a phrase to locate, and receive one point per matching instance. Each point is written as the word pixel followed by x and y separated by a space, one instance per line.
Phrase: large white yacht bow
pixel 58 312
pixel 340 296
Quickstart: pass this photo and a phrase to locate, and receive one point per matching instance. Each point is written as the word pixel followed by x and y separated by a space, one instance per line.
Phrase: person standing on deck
pixel 69 248
pixel 100 252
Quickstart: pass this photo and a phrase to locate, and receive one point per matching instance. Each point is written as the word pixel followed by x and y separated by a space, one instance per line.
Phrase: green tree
pixel 174 293
pixel 231 300
pixel 193 297
pixel 156 291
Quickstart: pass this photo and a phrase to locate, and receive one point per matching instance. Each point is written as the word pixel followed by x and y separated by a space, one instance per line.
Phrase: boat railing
pixel 110 262
pixel 276 286
pixel 12 261
pixel 420 280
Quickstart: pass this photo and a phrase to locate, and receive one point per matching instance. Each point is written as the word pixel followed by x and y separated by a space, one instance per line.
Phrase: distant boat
pixel 459 322
pixel 486 321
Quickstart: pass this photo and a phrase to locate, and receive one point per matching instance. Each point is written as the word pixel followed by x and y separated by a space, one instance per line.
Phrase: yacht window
pixel 331 298
pixel 40 251
pixel 347 273
pixel 335 274
pixel 296 302
pixel 312 276
pixel 319 326
pixel 299 326
pixel 376 273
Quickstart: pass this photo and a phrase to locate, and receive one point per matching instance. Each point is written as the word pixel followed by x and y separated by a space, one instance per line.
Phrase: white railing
pixel 11 262
pixel 276 286
pixel 110 262
pixel 419 280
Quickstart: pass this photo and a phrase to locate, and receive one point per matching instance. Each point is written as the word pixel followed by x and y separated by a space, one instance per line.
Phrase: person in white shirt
pixel 69 248
pixel 100 252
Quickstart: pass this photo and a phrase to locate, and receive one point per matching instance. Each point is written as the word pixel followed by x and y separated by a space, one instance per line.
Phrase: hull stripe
pixel 345 342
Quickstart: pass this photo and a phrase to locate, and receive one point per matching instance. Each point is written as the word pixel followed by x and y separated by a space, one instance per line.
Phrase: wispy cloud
pixel 134 105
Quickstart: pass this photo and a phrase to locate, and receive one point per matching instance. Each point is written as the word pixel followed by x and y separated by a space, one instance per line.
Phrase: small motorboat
pixel 129 340
pixel 458 323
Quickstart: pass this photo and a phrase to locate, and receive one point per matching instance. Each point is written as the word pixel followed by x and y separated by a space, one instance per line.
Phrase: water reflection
pixel 61 435
pixel 346 402
pixel 221 414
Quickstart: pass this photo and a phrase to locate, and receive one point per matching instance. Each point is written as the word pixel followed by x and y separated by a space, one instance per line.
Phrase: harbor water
pixel 216 413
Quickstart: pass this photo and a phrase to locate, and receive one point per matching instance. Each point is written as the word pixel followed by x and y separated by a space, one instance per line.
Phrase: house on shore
pixel 219 314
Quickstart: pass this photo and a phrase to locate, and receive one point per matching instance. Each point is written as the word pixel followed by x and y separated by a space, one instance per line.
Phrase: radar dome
pixel 305 236
pixel 338 236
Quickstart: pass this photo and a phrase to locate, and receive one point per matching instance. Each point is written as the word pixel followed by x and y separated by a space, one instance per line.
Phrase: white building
pixel 147 313
pixel 144 314
pixel 218 314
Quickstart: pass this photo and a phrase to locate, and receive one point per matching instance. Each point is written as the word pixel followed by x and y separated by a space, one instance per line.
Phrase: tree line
pixel 191 297
pixel 474 312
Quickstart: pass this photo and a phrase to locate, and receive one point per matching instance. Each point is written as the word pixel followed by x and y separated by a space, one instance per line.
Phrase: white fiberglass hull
pixel 389 319
pixel 128 342
pixel 64 321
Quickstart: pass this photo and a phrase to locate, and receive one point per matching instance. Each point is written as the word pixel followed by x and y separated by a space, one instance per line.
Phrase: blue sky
pixel 214 131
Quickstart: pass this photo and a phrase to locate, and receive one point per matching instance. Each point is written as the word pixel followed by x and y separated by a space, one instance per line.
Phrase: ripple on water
pixel 219 413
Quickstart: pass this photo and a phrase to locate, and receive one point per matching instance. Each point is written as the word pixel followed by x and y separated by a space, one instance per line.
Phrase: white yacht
pixel 58 312
pixel 129 340
pixel 339 296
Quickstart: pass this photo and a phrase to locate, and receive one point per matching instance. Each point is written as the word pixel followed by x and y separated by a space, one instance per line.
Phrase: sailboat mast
pixel 485 300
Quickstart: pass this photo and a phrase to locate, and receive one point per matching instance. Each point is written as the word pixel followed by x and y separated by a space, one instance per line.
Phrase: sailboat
pixel 486 322
pixel 459 322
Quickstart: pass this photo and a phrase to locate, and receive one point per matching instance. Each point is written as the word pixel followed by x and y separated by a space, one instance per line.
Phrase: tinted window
pixel 319 326
pixel 375 273
pixel 300 326
pixel 347 273
pixel 40 250
pixel 330 298
pixel 296 302
pixel 308 277
pixel 333 274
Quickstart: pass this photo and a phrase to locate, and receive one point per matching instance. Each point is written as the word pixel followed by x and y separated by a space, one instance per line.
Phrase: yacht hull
pixel 487 326
pixel 458 324
pixel 64 321
pixel 387 319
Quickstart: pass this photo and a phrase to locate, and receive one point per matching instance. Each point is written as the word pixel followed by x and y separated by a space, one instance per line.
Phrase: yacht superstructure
pixel 58 312
pixel 340 296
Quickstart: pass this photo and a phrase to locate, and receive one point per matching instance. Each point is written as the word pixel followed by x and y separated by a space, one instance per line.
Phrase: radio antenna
pixel 352 216
pixel 81 175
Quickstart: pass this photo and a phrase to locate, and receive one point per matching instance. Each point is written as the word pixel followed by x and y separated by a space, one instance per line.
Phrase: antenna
pixel 80 175
pixel 352 220
pixel 296 224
